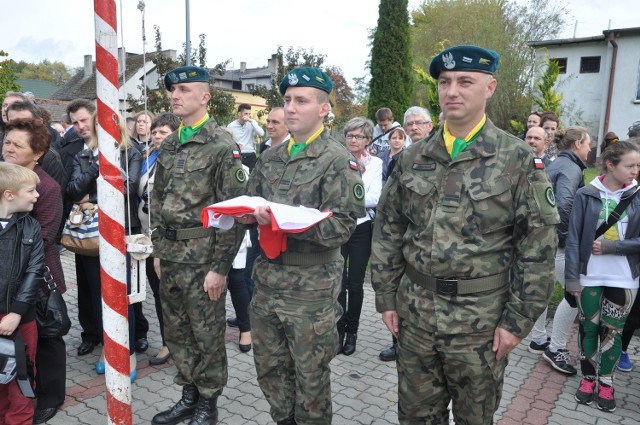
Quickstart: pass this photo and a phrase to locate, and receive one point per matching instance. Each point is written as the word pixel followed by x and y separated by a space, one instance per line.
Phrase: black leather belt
pixel 181 234
pixel 456 286
pixel 304 258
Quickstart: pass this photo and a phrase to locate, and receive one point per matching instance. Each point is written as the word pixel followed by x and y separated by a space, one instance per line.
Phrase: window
pixel 251 87
pixel 562 64
pixel 236 85
pixel 590 64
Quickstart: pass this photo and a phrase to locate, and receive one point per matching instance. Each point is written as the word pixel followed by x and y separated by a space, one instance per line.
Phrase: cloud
pixel 66 51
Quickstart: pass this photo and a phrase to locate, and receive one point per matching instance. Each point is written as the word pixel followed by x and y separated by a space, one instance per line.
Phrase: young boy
pixel 21 269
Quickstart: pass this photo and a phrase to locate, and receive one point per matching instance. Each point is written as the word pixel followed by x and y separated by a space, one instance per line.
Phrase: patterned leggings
pixel 603 312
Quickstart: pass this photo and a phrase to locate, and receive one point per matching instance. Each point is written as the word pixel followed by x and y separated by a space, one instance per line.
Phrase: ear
pixel 325 108
pixel 8 195
pixel 491 86
pixel 206 97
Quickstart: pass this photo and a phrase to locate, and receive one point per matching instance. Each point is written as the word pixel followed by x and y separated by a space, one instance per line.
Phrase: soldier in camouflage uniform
pixel 197 166
pixel 463 251
pixel 295 307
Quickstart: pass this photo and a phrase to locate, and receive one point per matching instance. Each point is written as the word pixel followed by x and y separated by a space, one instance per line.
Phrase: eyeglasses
pixel 412 123
pixel 355 136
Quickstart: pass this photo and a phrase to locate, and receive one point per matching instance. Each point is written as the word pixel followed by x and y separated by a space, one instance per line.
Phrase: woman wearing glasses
pixel 358 133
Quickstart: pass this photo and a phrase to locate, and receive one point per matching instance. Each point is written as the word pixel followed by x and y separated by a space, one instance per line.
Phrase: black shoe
pixel 340 342
pixel 206 412
pixel 42 415
pixel 142 345
pixel 389 355
pixel 245 348
pixel 86 347
pixel 559 360
pixel 183 409
pixel 288 421
pixel 349 344
pixel 233 322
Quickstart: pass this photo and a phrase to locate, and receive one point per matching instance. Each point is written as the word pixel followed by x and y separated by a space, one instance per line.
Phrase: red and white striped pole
pixel 111 219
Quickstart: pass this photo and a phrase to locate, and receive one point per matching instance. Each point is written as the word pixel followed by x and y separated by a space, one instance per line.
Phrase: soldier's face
pixel 189 100
pixel 463 95
pixel 303 110
pixel 535 139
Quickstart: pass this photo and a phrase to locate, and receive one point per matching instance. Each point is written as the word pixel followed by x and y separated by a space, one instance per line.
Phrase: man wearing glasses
pixel 417 124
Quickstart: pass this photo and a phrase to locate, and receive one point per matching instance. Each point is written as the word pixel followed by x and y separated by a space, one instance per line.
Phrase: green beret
pixel 465 58
pixel 186 74
pixel 306 77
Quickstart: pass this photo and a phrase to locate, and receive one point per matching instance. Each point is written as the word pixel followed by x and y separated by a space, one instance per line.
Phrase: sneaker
pixel 536 348
pixel 585 392
pixel 624 364
pixel 559 360
pixel 606 401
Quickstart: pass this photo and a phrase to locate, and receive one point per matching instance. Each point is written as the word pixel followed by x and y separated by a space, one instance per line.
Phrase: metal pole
pixel 111 219
pixel 188 43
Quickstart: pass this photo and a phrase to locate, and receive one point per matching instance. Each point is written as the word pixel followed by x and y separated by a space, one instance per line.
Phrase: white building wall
pixel 585 95
pixel 625 109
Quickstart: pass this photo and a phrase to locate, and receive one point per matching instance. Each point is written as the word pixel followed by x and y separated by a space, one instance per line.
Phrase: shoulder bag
pixel 51 310
pixel 80 234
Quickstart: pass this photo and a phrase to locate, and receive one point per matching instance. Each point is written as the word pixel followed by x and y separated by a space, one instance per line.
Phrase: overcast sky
pixel 243 31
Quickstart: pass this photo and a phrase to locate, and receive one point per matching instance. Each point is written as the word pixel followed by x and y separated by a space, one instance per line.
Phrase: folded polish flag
pixel 284 219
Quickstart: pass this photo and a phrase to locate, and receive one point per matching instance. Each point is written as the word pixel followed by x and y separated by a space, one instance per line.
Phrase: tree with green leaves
pixel 546 97
pixel 222 104
pixel 392 76
pixel 7 76
pixel 54 72
pixel 505 26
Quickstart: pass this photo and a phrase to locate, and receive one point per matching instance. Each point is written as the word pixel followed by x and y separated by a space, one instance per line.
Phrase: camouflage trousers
pixel 293 317
pixel 444 354
pixel 194 327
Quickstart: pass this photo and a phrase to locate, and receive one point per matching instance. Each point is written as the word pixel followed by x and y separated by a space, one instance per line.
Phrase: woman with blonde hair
pixel 82 188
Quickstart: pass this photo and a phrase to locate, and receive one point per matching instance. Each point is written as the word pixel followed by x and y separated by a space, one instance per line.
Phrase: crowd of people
pixel 464 222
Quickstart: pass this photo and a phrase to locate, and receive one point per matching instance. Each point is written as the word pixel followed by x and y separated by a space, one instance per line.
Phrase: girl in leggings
pixel 602 271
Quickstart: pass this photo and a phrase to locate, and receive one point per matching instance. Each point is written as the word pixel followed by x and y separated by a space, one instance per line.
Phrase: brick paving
pixel 363 387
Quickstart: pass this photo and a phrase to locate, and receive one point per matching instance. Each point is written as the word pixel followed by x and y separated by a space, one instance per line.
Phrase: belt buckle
pixel 447 286
pixel 171 234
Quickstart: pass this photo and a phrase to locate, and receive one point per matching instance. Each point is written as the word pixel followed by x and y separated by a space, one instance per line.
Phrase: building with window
pixel 600 76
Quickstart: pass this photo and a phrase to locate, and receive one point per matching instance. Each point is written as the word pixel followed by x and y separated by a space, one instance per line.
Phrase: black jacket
pixel 582 231
pixel 21 272
pixel 565 174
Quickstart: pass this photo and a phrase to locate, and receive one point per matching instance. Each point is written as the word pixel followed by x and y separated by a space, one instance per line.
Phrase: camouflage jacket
pixel 489 211
pixel 189 177
pixel 321 177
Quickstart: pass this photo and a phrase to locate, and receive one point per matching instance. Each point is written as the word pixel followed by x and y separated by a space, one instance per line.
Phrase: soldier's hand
pixel 156 266
pixel 392 320
pixel 214 285
pixel 246 219
pixel 263 215
pixel 503 342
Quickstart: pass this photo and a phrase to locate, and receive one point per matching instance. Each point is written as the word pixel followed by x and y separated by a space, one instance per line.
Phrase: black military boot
pixel 350 344
pixel 288 421
pixel 183 409
pixel 206 412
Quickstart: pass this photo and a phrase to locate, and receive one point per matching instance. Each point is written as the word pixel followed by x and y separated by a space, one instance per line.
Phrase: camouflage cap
pixel 306 77
pixel 186 74
pixel 465 58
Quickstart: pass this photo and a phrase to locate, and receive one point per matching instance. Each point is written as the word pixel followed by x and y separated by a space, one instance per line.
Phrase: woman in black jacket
pixel 82 188
pixel 566 175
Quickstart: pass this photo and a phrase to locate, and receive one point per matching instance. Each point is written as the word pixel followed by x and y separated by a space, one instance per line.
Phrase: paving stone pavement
pixel 363 387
